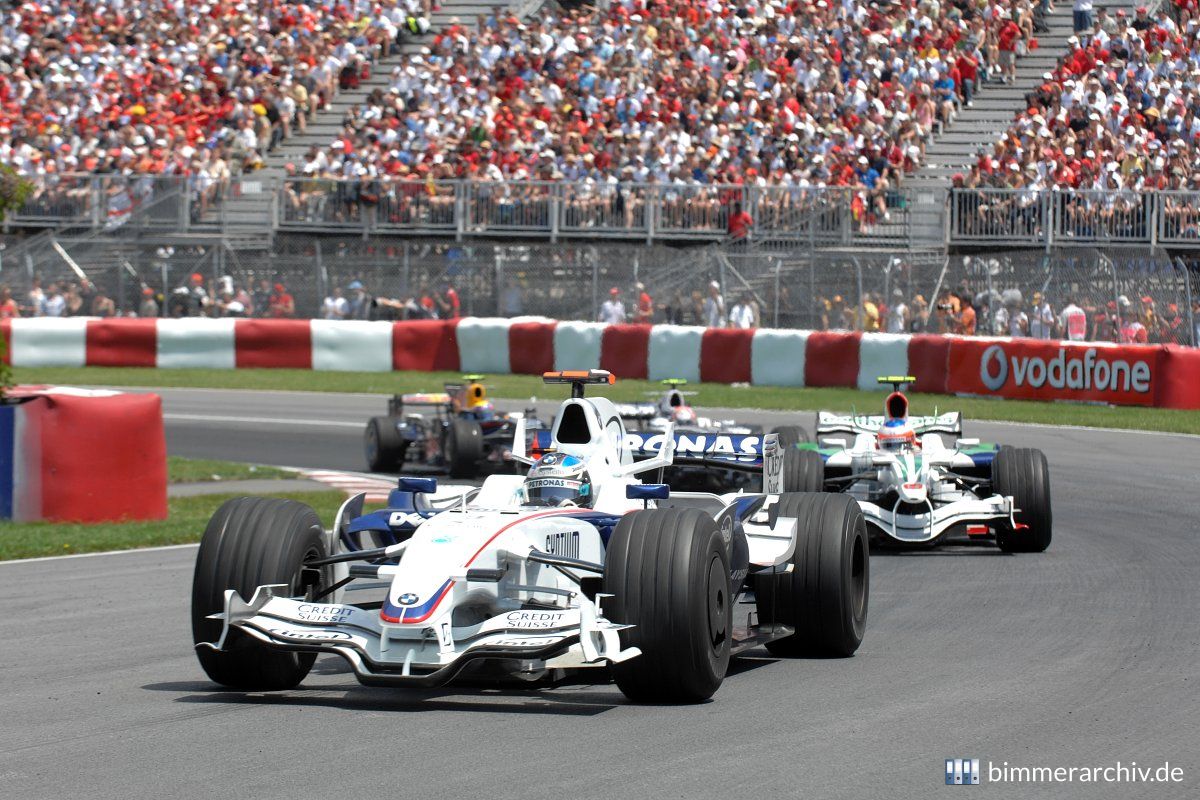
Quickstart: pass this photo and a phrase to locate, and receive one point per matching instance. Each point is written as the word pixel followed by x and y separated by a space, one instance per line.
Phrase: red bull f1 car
pixel 575 565
pixel 457 431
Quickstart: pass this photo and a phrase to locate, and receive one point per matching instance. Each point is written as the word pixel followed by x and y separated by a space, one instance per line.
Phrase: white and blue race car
pixel 576 565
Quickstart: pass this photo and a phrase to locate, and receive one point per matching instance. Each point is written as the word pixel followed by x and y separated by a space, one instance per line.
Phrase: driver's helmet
pixel 896 436
pixel 558 480
pixel 683 415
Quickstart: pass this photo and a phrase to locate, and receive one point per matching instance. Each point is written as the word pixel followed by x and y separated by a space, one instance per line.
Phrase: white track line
pixel 101 553
pixel 320 423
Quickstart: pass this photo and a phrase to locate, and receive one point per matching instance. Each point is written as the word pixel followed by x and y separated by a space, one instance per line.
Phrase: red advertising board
pixel 1033 369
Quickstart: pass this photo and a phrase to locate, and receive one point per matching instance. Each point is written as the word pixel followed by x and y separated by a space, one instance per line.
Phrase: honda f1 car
pixel 576 564
pixel 915 489
pixel 460 434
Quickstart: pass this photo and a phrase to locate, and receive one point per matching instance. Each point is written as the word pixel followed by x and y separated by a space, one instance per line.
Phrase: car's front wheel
pixel 252 542
pixel 668 574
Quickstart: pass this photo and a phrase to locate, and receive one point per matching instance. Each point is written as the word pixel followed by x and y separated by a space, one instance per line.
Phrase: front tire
pixel 825 595
pixel 464 448
pixel 668 572
pixel 1023 474
pixel 383 445
pixel 252 542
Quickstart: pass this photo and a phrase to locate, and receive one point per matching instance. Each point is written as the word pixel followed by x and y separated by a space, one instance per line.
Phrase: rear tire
pixel 668 572
pixel 790 435
pixel 803 470
pixel 383 445
pixel 1023 474
pixel 464 448
pixel 825 595
pixel 251 542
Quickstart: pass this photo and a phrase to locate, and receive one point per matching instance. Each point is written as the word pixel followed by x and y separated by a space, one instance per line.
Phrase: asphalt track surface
pixel 1085 655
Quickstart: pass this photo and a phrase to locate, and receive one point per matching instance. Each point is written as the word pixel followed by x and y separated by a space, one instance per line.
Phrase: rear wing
pixel 853 424
pixel 746 453
pixel 425 399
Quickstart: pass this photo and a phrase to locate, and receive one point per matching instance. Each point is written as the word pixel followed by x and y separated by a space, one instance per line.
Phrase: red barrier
pixel 122 342
pixel 531 347
pixel 725 355
pixel 625 350
pixel 103 458
pixel 1032 369
pixel 425 345
pixel 1179 382
pixel 6 332
pixel 273 343
pixel 928 356
pixel 831 359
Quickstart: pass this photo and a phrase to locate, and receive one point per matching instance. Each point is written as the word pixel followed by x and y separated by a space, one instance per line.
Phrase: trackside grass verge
pixel 521 387
pixel 207 470
pixel 186 521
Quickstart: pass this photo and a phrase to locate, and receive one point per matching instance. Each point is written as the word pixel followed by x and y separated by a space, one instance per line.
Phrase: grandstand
pixel 780 134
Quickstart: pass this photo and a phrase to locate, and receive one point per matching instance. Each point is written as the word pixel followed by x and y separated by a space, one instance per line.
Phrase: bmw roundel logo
pixel 550 459
pixel 408 599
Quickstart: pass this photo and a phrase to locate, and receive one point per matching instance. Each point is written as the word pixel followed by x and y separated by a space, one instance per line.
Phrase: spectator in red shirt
pixel 8 306
pixel 740 223
pixel 281 305
pixel 644 312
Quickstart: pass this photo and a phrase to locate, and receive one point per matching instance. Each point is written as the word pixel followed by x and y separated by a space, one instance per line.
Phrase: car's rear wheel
pixel 824 597
pixel 803 470
pixel 383 445
pixel 252 542
pixel 668 574
pixel 464 448
pixel 1023 474
pixel 790 435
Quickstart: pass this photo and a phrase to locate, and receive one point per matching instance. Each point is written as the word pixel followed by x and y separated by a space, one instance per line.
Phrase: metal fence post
pixel 778 270
pixel 460 204
pixel 319 268
pixel 1191 317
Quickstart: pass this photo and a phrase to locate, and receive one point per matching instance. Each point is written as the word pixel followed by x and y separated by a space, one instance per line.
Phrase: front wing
pixel 926 527
pixel 383 654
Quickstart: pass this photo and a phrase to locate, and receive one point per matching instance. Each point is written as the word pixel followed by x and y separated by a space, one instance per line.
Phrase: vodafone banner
pixel 1033 369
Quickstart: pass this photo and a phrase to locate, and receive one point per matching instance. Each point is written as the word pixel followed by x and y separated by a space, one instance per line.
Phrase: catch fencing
pixel 786 287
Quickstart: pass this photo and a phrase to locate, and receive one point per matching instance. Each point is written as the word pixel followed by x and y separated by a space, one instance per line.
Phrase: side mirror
pixel 835 443
pixel 968 442
pixel 418 485
pixel 647 491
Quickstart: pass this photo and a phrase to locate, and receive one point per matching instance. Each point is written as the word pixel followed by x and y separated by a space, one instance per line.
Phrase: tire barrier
pixel 1151 375
pixel 82 456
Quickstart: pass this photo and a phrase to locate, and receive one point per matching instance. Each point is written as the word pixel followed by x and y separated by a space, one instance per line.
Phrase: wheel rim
pixel 372 444
pixel 858 576
pixel 718 603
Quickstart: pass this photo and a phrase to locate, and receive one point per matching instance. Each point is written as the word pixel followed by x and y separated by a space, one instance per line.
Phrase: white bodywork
pixel 920 478
pixel 465 584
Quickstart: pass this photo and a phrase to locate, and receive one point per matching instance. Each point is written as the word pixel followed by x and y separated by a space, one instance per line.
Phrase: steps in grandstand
pixel 250 214
pixel 979 126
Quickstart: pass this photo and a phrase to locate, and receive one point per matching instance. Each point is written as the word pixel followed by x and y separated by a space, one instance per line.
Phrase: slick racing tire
pixel 668 574
pixel 383 445
pixel 464 448
pixel 803 470
pixel 251 542
pixel 824 597
pixel 1023 474
pixel 790 435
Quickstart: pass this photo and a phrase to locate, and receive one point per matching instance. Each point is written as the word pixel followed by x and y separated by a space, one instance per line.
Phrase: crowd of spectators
pixel 204 89
pixel 698 94
pixel 1118 116
pixel 1082 317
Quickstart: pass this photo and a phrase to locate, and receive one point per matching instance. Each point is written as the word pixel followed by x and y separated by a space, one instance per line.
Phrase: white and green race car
pixel 916 488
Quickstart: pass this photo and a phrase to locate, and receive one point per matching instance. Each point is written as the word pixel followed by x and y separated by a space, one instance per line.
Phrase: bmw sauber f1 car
pixel 575 565
pixel 915 489
pixel 460 434
pixel 672 410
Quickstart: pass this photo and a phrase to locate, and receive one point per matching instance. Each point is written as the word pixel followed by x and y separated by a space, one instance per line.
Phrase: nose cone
pixel 912 492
